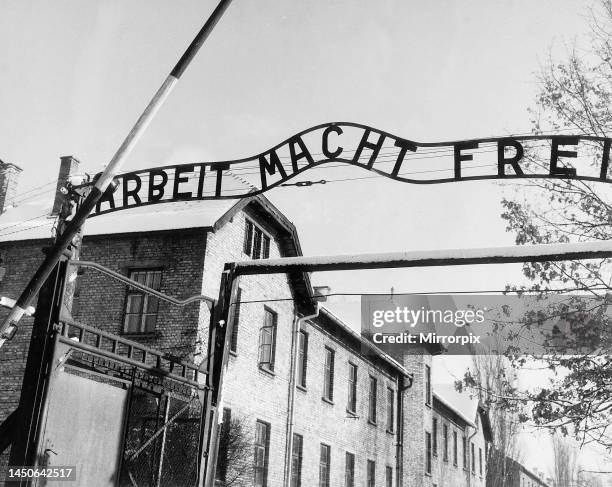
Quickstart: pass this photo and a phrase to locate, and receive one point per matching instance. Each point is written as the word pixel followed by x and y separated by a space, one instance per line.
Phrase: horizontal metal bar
pixel 129 361
pixel 139 286
pixel 428 258
pixel 129 343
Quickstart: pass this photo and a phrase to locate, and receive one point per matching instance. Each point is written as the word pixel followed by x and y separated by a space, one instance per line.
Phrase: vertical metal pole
pixel 8 327
pixel 218 357
pixel 162 448
pixel 36 375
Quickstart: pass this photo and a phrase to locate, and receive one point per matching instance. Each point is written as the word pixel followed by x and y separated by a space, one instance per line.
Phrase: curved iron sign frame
pixel 301 157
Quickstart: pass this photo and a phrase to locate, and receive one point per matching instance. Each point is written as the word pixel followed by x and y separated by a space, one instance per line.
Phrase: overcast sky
pixel 75 75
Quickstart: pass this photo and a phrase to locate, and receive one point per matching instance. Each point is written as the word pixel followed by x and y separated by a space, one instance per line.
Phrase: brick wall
pixel 100 300
pixel 321 422
pixel 417 420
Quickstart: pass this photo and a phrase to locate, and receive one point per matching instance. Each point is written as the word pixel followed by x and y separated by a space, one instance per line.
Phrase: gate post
pixel 218 355
pixel 40 351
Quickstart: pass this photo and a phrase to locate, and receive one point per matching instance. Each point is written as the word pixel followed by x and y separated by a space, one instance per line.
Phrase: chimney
pixel 69 166
pixel 9 177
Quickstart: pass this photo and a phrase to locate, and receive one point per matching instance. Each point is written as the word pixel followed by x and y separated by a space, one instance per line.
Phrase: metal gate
pixel 123 414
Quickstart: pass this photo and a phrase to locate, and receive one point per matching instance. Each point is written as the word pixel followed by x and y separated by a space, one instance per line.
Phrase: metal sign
pixel 368 148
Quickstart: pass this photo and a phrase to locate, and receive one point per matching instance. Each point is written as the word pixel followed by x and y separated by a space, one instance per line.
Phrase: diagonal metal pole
pixel 9 326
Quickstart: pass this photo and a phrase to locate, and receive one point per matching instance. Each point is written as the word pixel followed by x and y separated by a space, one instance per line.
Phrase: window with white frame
pixel 349 470
pixel 328 374
pixel 141 308
pixel 262 447
pixel 324 465
pixel 296 460
pixel 302 358
pixel 267 340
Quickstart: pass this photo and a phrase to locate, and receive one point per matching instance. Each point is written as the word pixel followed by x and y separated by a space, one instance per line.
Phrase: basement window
pixel 141 308
pixel 256 241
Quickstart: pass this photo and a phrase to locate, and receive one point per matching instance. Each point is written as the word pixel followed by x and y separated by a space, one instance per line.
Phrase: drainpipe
pixel 399 447
pixel 469 446
pixel 297 323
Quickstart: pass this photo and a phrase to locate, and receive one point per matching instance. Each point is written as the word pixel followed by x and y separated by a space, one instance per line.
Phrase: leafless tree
pixel 235 459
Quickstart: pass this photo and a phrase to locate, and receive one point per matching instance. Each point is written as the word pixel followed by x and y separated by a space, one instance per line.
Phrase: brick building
pixel 458 445
pixel 517 475
pixel 319 410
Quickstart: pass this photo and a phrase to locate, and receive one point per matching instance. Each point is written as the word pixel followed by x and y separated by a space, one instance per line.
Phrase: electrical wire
pixel 488 291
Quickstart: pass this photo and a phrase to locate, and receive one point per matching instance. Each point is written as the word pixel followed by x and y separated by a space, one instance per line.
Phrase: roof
pixel 346 330
pixel 453 409
pixel 32 219
pixel 465 408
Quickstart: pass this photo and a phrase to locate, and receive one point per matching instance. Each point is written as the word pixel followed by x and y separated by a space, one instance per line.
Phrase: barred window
pixel 296 460
pixel 262 447
pixel 141 308
pixel 267 340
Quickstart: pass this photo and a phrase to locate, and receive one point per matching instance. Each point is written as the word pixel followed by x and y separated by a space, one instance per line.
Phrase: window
pixel 235 320
pixel 480 461
pixel 224 433
pixel 445 442
pixel 428 453
pixel 455 448
pixel 465 454
pixel 428 385
pixel 389 477
pixel 141 308
pixel 256 242
pixel 349 470
pixel 302 358
pixel 473 460
pixel 371 474
pixel 390 409
pixel 372 400
pixel 262 447
pixel 324 465
pixel 267 340
pixel 328 375
pixel 434 432
pixel 296 460
pixel 351 404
